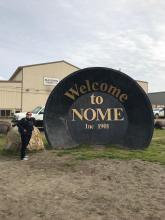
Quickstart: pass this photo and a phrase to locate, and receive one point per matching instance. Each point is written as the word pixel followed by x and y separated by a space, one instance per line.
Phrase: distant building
pixel 30 86
pixel 143 84
pixel 157 99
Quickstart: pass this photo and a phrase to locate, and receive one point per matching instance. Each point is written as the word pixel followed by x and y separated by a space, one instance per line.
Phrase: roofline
pixel 15 73
pixel 141 81
pixel 156 92
pixel 38 64
pixel 7 81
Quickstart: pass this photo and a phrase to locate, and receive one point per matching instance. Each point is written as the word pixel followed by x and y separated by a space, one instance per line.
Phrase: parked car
pixel 37 113
pixel 159 112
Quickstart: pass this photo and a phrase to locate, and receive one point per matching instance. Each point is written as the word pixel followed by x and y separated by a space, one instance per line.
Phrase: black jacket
pixel 25 125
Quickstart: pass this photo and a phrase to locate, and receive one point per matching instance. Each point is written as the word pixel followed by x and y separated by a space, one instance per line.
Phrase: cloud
pixel 2 78
pixel 124 34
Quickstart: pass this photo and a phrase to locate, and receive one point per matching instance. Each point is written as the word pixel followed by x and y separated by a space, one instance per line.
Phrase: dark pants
pixel 25 138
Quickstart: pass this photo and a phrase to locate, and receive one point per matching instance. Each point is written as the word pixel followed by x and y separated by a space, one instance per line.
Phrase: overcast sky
pixel 121 34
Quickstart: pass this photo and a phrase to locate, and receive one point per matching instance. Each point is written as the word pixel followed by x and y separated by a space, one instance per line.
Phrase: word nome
pixel 98 114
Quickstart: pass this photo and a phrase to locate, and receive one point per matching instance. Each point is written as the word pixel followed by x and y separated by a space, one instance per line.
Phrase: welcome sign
pixel 98 106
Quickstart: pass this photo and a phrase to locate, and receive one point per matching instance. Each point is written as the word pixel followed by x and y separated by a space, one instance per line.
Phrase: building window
pixel 2 113
pixel 5 113
pixel 17 111
pixel 8 113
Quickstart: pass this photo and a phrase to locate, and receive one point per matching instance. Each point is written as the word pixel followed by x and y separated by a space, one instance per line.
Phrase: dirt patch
pixel 51 187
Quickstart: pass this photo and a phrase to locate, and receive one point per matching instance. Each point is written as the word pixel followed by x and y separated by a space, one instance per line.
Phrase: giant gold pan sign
pixel 98 106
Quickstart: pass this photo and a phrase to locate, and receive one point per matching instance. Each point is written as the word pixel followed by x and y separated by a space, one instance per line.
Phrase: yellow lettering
pixel 72 93
pixel 79 115
pixel 94 88
pixel 118 115
pixel 83 89
pixel 102 116
pixel 114 91
pixel 86 114
pixel 123 97
pixel 103 87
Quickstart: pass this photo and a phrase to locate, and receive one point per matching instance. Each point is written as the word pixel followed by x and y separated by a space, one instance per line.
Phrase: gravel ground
pixel 61 188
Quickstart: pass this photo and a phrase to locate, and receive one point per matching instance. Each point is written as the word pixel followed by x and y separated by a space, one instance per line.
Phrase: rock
pixel 4 127
pixel 160 124
pixel 36 142
pixel 14 140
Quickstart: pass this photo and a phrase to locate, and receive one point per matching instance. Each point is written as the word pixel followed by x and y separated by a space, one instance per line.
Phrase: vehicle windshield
pixel 37 109
pixel 157 109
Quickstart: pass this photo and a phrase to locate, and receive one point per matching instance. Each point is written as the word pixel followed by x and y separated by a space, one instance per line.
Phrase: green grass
pixel 2 142
pixel 154 153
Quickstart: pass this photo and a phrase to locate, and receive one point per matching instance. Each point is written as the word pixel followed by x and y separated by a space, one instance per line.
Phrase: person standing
pixel 25 127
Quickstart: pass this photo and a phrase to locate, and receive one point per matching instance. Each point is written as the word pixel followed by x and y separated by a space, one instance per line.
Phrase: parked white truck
pixel 159 112
pixel 37 113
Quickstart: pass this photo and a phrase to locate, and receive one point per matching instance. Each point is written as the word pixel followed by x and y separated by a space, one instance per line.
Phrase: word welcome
pixel 88 86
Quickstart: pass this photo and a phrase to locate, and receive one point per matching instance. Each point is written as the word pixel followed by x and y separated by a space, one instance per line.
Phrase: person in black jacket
pixel 25 127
